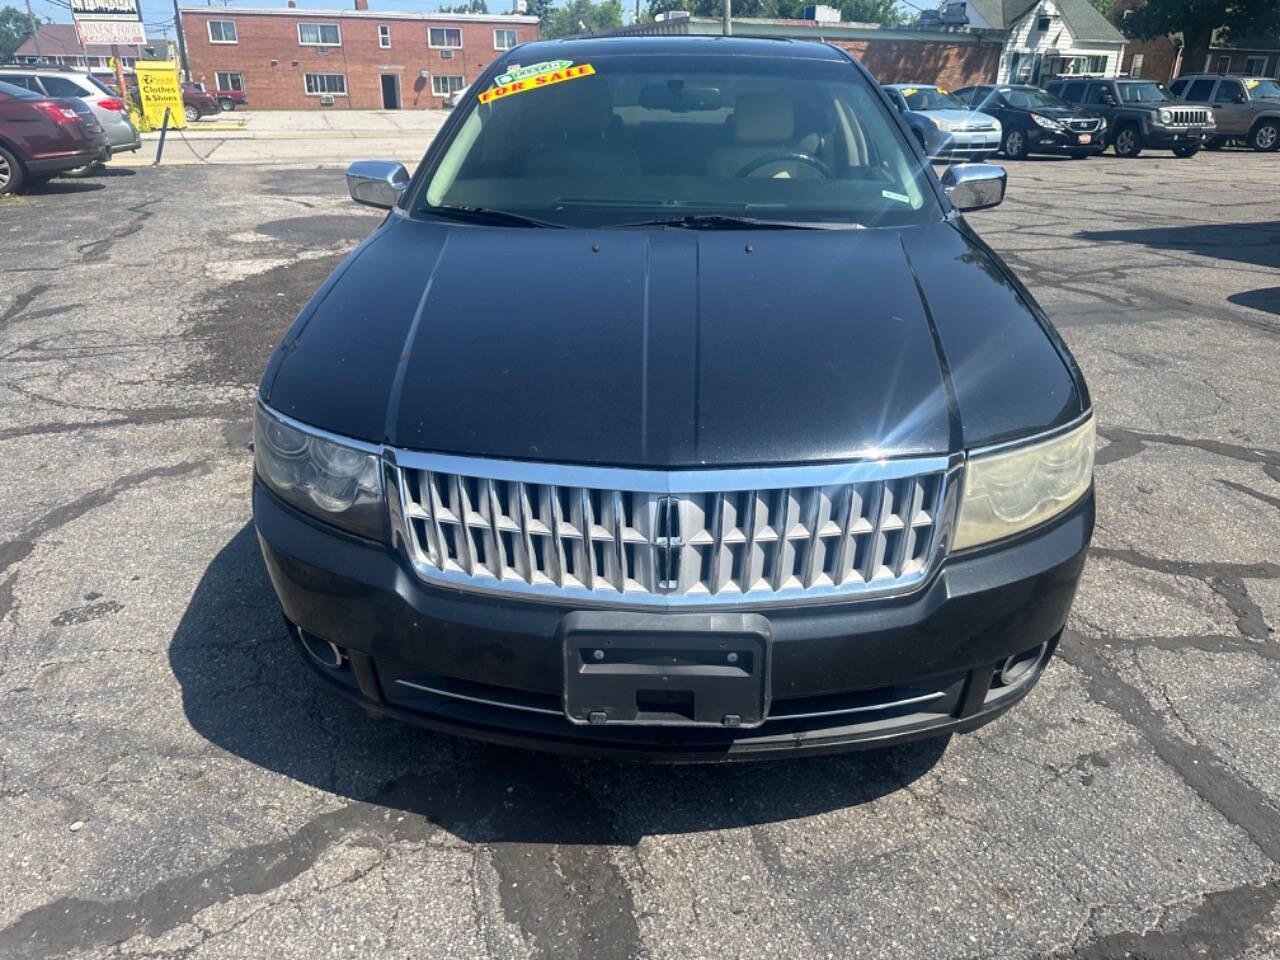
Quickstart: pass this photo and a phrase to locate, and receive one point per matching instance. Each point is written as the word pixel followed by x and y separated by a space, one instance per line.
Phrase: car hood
pixel 960 116
pixel 672 348
pixel 1063 113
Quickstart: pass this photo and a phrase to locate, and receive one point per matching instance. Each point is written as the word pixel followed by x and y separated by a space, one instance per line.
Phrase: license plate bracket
pixel 1086 138
pixel 666 670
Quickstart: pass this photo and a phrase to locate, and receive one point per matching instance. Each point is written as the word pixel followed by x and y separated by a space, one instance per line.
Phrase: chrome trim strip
pixel 317 432
pixel 481 700
pixel 693 480
pixel 868 708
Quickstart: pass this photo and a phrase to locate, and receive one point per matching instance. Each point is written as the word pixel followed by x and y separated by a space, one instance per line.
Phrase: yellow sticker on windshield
pixel 1250 84
pixel 536 81
pixel 941 91
pixel 909 91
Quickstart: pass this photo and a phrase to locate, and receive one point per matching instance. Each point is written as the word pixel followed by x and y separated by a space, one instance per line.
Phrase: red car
pixel 196 103
pixel 42 136
pixel 228 100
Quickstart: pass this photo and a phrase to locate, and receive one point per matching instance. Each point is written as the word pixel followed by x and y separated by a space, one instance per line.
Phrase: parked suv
pixel 108 108
pixel 1140 113
pixel 1247 109
pixel 1034 121
pixel 41 137
pixel 686 440
pixel 946 128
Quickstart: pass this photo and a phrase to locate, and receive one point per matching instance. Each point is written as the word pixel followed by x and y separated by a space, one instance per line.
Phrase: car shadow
pixel 111 172
pixel 246 689
pixel 53 188
pixel 1254 243
pixel 1266 299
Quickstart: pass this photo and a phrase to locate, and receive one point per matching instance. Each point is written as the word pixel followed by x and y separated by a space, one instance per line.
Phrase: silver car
pixel 945 127
pixel 108 107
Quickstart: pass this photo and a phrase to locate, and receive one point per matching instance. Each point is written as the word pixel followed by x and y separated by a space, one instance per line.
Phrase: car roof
pixel 583 48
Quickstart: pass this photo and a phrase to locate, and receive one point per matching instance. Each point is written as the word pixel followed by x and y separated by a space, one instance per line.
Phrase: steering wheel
pixel 785 156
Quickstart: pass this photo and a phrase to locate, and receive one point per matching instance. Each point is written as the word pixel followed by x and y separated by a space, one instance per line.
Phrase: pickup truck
pixel 228 100
pixel 1140 113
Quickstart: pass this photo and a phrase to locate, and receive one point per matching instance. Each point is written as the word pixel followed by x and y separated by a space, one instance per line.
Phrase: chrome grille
pixel 1186 117
pixel 636 536
pixel 1084 126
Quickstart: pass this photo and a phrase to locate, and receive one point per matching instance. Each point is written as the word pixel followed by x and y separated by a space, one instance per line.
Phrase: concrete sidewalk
pixel 310 137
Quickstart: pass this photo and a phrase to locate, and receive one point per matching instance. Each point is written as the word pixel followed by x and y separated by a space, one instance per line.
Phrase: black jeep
pixel 1140 113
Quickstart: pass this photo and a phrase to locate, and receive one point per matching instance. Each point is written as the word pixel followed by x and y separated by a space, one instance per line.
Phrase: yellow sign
pixel 535 82
pixel 158 87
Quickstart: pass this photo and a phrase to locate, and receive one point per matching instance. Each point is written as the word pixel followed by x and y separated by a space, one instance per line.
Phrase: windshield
pixel 930 98
pixel 622 139
pixel 1262 87
pixel 1031 97
pixel 1145 93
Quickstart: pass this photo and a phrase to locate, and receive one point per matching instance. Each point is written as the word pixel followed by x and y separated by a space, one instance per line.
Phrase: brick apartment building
pixel 359 59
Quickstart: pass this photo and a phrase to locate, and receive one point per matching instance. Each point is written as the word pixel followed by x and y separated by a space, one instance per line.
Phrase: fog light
pixel 1019 666
pixel 324 652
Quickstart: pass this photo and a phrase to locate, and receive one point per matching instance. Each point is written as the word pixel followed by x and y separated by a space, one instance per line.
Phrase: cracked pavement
pixel 173 783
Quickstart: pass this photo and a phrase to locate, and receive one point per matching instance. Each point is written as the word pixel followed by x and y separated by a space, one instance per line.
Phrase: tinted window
pixel 14 92
pixel 1098 93
pixel 1200 89
pixel 1179 85
pixel 1145 92
pixel 627 138
pixel 1229 91
pixel 1031 97
pixel 63 87
pixel 24 80
pixel 1072 91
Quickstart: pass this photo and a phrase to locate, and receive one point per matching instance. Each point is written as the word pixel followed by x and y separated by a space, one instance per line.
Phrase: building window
pixel 319 35
pixel 504 39
pixel 1042 22
pixel 384 36
pixel 229 80
pixel 223 31
pixel 1255 67
pixel 442 86
pixel 1135 65
pixel 318 84
pixel 446 38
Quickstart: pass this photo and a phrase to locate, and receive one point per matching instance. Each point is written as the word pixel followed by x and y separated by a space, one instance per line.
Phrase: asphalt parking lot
pixel 173 783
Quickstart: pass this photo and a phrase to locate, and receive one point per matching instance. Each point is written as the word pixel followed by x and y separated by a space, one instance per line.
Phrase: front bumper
pixel 1178 136
pixel 843 675
pixel 962 144
pixel 1040 140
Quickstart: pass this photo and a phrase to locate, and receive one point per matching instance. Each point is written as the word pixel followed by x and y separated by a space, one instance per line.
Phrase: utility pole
pixel 182 43
pixel 35 34
pixel 728 17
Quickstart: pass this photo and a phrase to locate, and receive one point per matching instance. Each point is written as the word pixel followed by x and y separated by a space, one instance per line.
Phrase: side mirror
pixel 1108 100
pixel 377 183
pixel 974 186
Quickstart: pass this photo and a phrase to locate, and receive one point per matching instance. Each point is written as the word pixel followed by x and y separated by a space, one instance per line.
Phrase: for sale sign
pixel 105 10
pixel 111 32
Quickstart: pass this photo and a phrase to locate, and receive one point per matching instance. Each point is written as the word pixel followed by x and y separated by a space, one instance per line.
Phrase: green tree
pixel 1198 20
pixel 14 30
pixel 1103 6
pixel 582 16
pixel 474 6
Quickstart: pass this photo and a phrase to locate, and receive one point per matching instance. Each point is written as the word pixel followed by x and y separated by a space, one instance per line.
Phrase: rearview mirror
pixel 377 183
pixel 974 186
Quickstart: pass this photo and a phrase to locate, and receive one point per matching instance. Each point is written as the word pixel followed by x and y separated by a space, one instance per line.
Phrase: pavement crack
pixel 1124 443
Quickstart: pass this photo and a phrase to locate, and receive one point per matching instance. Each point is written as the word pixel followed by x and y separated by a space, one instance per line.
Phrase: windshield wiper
pixel 720 221
pixel 472 214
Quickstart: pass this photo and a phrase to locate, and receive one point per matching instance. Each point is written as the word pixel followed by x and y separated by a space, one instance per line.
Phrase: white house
pixel 1046 38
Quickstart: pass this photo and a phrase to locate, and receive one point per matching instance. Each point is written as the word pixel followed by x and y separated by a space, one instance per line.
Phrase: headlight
pixel 1102 124
pixel 1166 116
pixel 1010 491
pixel 1047 122
pixel 340 483
pixel 943 124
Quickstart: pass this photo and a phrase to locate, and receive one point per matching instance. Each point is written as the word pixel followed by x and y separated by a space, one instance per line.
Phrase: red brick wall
pixel 949 65
pixel 1159 56
pixel 273 62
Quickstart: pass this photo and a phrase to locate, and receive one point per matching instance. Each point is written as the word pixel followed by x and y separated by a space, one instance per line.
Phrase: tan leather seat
pixel 761 124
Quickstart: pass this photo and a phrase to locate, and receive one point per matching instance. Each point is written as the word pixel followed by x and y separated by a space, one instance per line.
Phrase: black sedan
pixel 675 412
pixel 1035 121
